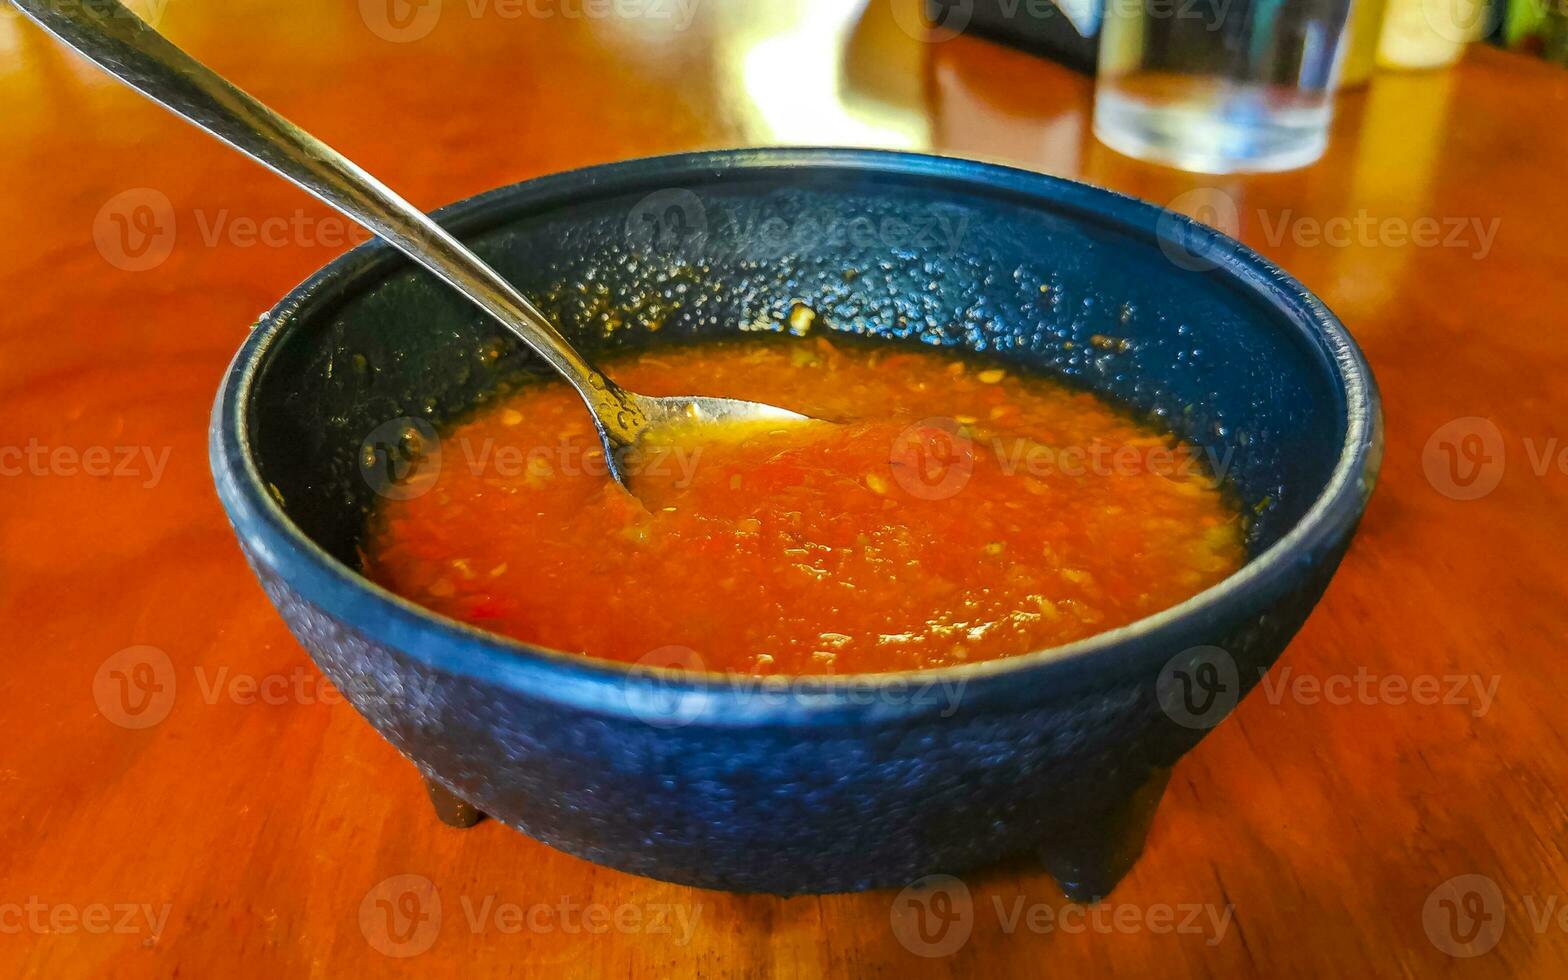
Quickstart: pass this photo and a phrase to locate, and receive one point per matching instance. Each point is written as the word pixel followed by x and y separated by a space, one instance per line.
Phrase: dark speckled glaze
pixel 825 787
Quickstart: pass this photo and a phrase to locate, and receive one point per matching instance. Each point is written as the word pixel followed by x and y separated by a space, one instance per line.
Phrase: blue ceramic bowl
pixel 821 785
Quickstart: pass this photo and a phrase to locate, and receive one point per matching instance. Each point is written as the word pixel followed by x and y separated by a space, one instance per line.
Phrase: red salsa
pixel 956 512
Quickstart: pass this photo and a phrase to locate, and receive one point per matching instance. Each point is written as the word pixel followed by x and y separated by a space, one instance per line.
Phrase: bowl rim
pixel 723 700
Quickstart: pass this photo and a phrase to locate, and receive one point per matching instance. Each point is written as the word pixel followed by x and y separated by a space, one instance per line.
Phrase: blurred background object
pixel 1228 86
pixel 1064 30
pixel 1429 33
pixel 1555 34
pixel 1533 26
pixel 1366 29
pixel 1222 88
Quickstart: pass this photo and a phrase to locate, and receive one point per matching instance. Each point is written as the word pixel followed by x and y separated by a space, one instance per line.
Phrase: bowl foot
pixel 1088 860
pixel 451 809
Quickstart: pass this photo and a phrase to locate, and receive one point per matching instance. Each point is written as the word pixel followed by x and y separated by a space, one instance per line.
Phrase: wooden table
pixel 1410 735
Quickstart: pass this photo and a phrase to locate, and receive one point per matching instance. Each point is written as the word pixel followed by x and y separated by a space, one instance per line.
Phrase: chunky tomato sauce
pixel 957 512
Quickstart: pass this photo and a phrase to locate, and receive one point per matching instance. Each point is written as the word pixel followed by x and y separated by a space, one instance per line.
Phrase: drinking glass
pixel 1219 86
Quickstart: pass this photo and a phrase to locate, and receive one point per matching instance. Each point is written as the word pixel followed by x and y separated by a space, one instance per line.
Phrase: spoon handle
pixel 119 42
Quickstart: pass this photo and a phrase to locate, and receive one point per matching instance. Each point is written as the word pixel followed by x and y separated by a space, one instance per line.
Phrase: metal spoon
pixel 119 42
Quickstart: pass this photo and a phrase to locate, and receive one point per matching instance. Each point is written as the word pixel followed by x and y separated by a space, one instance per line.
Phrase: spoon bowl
pixel 686 410
pixel 685 418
